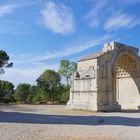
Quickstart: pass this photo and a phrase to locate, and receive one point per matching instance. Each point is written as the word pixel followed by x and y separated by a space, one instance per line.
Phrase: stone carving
pixel 91 71
pixel 107 81
pixel 85 73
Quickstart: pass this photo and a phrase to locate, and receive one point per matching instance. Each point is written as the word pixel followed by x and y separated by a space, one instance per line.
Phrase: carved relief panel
pixel 86 73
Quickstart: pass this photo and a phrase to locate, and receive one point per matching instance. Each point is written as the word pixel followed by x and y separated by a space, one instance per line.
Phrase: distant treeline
pixel 49 87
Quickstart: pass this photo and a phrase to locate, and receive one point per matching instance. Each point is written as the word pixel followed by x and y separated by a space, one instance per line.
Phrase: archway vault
pixel 129 56
pixel 126 67
pixel 126 75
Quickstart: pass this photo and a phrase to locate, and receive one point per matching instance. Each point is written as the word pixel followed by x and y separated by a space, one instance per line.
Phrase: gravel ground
pixel 54 122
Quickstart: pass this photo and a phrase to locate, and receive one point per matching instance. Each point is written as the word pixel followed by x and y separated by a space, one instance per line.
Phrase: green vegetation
pixel 6 92
pixel 22 92
pixel 6 88
pixel 49 88
pixel 4 58
pixel 67 68
pixel 50 84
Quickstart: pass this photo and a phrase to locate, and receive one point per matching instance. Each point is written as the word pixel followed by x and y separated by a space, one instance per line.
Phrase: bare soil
pixel 55 122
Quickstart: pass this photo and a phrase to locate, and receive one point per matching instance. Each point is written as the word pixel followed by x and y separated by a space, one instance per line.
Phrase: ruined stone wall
pixel 104 80
pixel 84 86
pixel 109 81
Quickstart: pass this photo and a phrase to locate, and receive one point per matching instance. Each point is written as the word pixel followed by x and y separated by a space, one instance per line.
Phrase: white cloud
pixel 58 18
pixel 12 25
pixel 104 9
pixel 120 20
pixel 19 75
pixel 28 67
pixel 7 9
pixel 66 52
pixel 93 16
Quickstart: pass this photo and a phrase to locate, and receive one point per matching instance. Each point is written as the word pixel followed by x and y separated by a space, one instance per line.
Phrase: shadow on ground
pixel 16 117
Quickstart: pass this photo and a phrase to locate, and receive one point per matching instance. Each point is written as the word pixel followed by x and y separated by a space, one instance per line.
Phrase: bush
pixel 36 99
pixel 9 98
pixel 22 92
pixel 64 97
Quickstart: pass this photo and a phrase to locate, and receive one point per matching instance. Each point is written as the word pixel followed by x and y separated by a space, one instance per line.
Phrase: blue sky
pixel 37 34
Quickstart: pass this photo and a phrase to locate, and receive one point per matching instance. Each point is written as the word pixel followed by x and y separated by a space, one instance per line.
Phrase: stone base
pixel 79 105
pixel 109 107
pixel 92 106
pixel 129 106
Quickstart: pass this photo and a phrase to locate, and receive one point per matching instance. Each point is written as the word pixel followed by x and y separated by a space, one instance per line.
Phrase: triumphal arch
pixel 108 80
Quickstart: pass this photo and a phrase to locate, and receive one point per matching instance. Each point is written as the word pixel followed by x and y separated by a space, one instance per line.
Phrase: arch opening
pixel 127 88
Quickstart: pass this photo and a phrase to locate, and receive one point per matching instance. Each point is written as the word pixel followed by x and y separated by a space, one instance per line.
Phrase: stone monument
pixel 108 80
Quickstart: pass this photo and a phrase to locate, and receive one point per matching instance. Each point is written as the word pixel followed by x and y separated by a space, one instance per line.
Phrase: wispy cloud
pixel 105 9
pixel 93 16
pixel 12 25
pixel 121 20
pixel 58 18
pixel 32 58
pixel 25 75
pixel 36 65
pixel 7 9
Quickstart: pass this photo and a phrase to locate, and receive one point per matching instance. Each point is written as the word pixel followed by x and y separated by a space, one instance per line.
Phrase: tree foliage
pixel 22 92
pixel 33 93
pixel 49 82
pixel 6 91
pixel 67 68
pixel 4 58
pixel 64 96
pixel 48 88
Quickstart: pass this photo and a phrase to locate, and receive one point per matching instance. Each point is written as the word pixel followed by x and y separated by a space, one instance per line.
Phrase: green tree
pixel 49 82
pixel 40 96
pixel 4 58
pixel 67 68
pixel 4 85
pixel 22 92
pixel 33 93
pixel 64 96
pixel 6 91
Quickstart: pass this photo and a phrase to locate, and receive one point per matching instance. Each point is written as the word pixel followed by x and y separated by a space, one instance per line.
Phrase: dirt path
pixel 54 122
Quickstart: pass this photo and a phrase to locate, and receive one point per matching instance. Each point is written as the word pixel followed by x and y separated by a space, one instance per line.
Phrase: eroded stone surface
pixel 108 80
